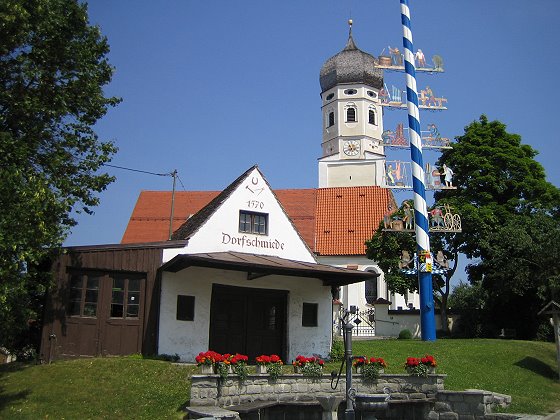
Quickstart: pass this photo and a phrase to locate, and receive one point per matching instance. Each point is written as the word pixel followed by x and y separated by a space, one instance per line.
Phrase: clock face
pixel 351 147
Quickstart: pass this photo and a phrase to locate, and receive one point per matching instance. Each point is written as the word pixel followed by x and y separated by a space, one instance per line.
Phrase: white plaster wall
pixel 351 175
pixel 188 338
pixel 390 325
pixel 362 101
pixel 354 294
pixel 308 341
pixel 221 232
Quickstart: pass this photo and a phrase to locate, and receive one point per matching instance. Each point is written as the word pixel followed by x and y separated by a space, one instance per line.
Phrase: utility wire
pixel 182 185
pixel 137 170
pixel 129 169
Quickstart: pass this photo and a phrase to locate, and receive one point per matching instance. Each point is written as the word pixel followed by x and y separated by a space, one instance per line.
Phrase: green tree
pixel 508 210
pixel 53 67
pixel 470 301
pixel 386 249
pixel 496 176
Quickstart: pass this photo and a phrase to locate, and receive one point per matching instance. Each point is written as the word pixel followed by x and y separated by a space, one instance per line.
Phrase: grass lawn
pixel 128 387
pixel 526 370
pixel 99 388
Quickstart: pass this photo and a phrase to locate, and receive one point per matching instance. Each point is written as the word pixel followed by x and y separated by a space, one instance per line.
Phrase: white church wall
pixel 354 294
pixel 389 323
pixel 188 338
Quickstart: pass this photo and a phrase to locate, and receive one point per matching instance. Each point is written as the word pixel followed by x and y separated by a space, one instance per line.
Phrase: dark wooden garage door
pixel 248 321
pixel 104 314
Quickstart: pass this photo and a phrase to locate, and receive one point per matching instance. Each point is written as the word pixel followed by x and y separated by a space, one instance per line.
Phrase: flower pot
pixel 431 369
pixel 358 369
pixel 297 369
pixel 261 370
pixel 206 369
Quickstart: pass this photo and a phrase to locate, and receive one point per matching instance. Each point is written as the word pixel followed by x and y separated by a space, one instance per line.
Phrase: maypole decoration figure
pixel 427 313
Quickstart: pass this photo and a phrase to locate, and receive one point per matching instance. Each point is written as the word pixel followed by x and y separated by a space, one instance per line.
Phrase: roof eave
pixel 331 276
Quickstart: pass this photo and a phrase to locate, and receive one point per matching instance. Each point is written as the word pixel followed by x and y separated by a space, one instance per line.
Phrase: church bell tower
pixel 352 149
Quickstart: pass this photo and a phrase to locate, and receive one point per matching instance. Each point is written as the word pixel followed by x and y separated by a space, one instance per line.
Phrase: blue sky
pixel 211 88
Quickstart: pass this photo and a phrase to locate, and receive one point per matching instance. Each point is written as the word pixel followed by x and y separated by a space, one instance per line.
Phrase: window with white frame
pixel 372 116
pixel 351 114
pixel 251 222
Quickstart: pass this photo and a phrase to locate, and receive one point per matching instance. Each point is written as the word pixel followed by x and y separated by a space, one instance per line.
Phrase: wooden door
pixel 80 333
pixel 123 323
pixel 248 321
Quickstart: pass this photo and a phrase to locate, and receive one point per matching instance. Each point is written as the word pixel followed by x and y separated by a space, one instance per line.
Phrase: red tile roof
pixel 149 221
pixel 348 216
pixel 342 217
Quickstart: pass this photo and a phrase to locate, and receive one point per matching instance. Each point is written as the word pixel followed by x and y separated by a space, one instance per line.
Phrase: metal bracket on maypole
pixel 427 312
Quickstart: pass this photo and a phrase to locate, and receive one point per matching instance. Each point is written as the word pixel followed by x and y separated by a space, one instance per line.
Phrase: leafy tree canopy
pixel 496 177
pixel 510 221
pixel 386 248
pixel 53 67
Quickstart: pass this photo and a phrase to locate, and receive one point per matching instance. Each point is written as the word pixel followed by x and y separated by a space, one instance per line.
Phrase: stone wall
pixel 206 392
pixel 471 404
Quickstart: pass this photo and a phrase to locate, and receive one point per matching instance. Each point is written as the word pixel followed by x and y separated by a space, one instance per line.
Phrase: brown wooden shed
pixel 105 301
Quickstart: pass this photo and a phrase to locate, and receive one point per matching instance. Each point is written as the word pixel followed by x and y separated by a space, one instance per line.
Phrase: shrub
pixel 405 335
pixel 337 350
pixel 545 331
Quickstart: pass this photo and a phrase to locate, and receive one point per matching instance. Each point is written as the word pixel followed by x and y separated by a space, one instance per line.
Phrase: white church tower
pixel 352 150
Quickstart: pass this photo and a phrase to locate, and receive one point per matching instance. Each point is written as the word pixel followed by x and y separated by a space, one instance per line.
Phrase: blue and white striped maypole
pixel 427 316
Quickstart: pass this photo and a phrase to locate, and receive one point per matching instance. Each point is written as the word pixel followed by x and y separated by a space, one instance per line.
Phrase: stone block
pixel 474 398
pixel 285 397
pixel 455 396
pixel 268 389
pixel 417 396
pixel 479 409
pixel 260 381
pixel 441 407
pixel 399 396
pixel 393 387
pixel 466 417
pixel 325 387
pixel 314 387
pixel 432 415
pixel 461 407
pixel 305 397
pixel 429 388
pixel 449 416
pixel 253 389
pixel 300 388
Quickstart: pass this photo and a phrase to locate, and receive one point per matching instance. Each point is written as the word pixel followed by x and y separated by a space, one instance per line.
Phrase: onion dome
pixel 351 66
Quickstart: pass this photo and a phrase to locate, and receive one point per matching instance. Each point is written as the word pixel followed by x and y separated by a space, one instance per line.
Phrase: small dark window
pixel 351 115
pixel 185 308
pixel 371 291
pixel 331 119
pixel 372 117
pixel 309 314
pixel 250 222
pixel 330 96
pixel 372 94
pixel 350 91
